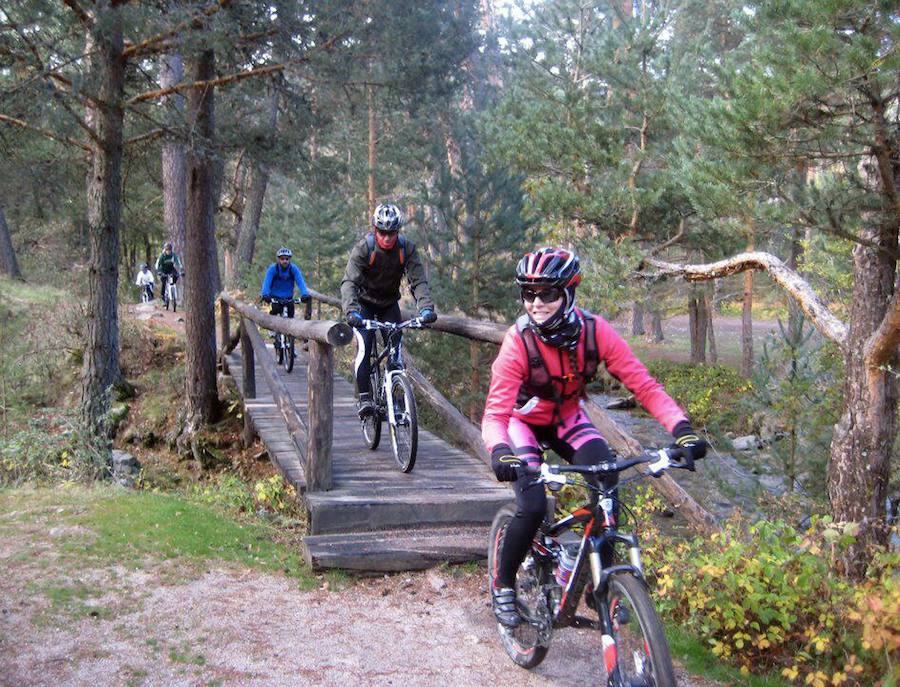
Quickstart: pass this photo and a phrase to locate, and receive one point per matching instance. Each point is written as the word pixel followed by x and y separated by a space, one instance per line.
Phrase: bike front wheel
pixel 527 644
pixel 641 654
pixel 289 354
pixel 371 424
pixel 405 426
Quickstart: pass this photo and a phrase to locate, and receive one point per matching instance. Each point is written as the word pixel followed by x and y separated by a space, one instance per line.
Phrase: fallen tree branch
pixel 815 309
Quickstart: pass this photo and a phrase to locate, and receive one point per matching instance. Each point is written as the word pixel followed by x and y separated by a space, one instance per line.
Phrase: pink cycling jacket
pixel 510 371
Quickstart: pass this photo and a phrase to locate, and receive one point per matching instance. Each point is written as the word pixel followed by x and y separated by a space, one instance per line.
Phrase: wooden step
pixel 395 550
pixel 343 510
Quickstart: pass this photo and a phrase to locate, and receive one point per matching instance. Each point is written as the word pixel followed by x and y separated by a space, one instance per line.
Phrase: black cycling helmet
pixel 560 268
pixel 387 217
pixel 168 246
pixel 284 252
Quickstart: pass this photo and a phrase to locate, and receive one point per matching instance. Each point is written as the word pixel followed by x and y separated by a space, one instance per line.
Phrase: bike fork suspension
pixel 610 654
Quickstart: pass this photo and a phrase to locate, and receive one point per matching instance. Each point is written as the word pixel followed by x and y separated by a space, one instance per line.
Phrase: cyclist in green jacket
pixel 168 266
pixel 371 288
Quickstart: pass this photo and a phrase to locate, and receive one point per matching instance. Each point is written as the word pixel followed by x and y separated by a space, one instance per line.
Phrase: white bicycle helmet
pixel 387 217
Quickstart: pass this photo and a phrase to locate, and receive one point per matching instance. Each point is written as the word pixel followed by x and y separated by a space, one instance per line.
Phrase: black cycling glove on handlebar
pixel 504 463
pixel 687 439
pixel 427 315
pixel 354 319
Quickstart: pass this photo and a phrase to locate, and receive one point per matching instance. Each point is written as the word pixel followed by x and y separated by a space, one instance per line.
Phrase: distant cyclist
pixel 535 399
pixel 168 266
pixel 145 281
pixel 281 279
pixel 371 288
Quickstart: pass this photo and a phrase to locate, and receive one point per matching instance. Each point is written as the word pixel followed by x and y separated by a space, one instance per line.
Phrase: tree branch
pixel 822 318
pixel 147 46
pixel 675 239
pixel 80 12
pixel 45 133
pixel 883 344
pixel 148 136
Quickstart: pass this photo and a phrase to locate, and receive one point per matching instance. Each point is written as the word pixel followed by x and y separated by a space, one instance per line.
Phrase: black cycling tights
pixel 532 506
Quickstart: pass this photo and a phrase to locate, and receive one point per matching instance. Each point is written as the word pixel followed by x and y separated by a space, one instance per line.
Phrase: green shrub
pixel 710 394
pixel 767 598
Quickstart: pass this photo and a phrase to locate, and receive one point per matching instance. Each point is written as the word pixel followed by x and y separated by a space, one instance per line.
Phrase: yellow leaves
pixel 791 673
pixel 816 679
pixel 838 678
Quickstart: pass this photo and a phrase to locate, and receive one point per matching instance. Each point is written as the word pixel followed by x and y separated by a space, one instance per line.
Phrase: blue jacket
pixel 279 283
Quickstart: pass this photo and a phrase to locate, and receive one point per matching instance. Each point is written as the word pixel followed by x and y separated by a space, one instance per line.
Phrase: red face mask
pixel 386 241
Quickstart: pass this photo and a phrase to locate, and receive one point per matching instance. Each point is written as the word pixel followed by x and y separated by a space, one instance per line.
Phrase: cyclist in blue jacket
pixel 281 278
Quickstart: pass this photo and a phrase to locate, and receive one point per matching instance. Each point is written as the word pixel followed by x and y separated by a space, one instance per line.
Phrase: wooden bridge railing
pixel 623 443
pixel 312 438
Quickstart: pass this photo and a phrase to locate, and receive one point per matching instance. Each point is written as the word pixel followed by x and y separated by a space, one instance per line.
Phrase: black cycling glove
pixel 427 315
pixel 354 319
pixel 687 439
pixel 305 299
pixel 504 463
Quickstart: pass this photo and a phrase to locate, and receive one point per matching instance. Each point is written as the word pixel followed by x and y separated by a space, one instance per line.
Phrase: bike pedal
pixel 582 621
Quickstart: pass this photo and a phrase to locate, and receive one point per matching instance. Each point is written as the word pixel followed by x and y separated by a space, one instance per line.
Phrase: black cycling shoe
pixel 503 603
pixel 364 406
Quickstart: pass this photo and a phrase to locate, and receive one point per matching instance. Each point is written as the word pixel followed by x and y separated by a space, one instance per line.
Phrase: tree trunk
pixel 747 318
pixel 200 256
pixel 859 468
pixel 656 330
pixel 637 318
pixel 250 223
pixel 697 320
pixel 8 263
pixel 174 157
pixel 795 314
pixel 370 190
pixel 104 208
pixel 709 295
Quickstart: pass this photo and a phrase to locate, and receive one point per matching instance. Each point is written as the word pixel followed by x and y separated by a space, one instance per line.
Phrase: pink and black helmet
pixel 552 267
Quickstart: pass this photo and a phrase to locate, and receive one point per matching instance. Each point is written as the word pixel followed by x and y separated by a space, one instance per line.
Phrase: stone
pixel 125 468
pixel 746 443
pixel 437 582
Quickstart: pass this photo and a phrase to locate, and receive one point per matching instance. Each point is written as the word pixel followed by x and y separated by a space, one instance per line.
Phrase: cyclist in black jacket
pixel 371 287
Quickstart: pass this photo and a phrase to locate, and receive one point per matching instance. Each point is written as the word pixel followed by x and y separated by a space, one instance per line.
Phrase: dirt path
pixel 167 623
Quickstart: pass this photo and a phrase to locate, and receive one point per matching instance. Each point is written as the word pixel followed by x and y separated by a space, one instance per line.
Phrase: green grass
pixel 134 528
pixel 699 660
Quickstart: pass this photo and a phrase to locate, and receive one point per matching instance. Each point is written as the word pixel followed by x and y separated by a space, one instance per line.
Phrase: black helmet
pixel 168 245
pixel 560 268
pixel 387 217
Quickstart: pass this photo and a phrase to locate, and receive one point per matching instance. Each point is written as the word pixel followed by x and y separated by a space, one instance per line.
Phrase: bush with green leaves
pixel 767 596
pixel 710 394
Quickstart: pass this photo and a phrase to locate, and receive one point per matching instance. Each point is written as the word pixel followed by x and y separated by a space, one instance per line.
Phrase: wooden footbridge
pixel 363 512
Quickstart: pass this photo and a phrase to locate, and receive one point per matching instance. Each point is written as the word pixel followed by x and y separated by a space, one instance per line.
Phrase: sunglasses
pixel 550 295
pixel 284 258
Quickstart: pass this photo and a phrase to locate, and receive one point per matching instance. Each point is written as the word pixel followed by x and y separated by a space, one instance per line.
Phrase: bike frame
pixel 390 351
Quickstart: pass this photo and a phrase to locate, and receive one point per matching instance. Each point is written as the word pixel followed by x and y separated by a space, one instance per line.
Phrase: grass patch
pixel 699 660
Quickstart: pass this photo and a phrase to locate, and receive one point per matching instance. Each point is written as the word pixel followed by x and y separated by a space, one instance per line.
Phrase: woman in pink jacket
pixel 535 398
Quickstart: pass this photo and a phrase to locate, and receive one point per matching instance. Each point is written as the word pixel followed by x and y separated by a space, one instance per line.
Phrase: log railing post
pixel 320 416
pixel 249 382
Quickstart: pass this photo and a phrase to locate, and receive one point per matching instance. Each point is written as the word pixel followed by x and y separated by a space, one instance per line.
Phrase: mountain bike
pixel 170 291
pixel 562 565
pixel 285 352
pixel 392 394
pixel 146 293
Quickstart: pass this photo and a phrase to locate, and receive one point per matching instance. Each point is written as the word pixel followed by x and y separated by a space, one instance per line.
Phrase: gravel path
pixel 231 626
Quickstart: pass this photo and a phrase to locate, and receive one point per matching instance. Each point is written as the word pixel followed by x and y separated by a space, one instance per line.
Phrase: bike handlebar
pixel 659 461
pixel 414 323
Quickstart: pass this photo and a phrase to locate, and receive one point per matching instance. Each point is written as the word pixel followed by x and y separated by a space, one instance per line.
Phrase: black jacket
pixel 376 278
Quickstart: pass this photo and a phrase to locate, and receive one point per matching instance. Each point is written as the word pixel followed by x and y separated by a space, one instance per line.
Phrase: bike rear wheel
pixel 405 427
pixel 371 425
pixel 527 644
pixel 641 650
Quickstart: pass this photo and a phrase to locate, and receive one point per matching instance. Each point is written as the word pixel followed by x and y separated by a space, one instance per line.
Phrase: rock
pixel 125 468
pixel 436 581
pixel 746 443
pixel 132 435
pixel 622 403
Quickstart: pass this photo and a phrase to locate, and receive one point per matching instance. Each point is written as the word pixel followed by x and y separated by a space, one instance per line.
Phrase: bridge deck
pixel 447 488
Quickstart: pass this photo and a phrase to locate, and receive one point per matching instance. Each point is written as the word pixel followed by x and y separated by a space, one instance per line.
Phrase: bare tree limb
pixel 148 136
pixel 822 318
pixel 883 344
pixel 45 133
pixel 669 242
